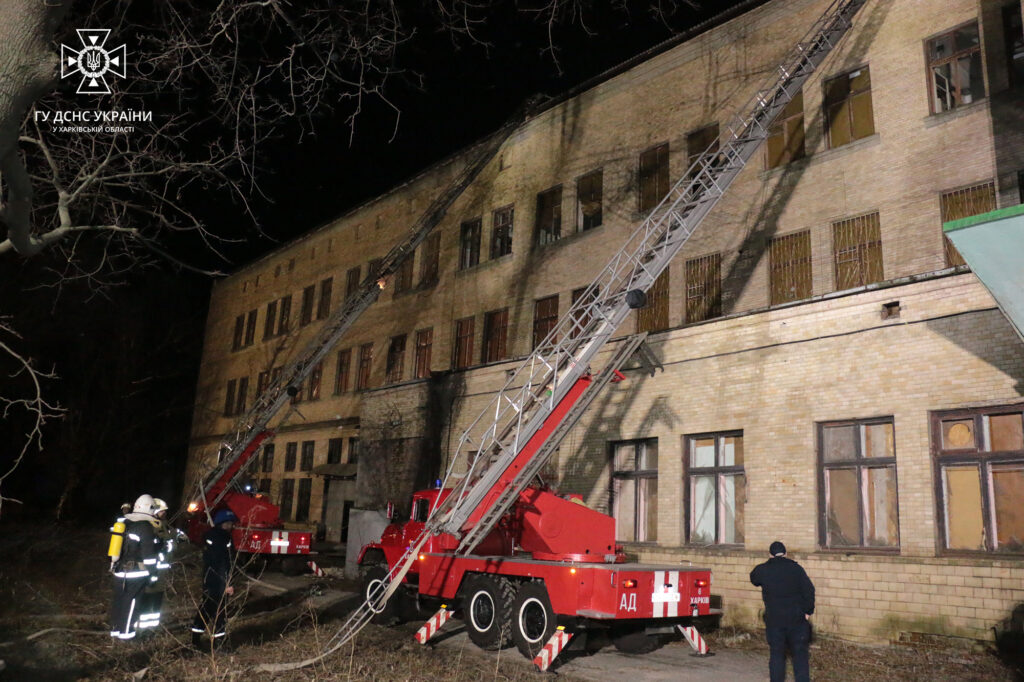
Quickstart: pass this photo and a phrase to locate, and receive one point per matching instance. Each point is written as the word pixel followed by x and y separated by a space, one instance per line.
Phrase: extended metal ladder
pixel 249 431
pixel 537 386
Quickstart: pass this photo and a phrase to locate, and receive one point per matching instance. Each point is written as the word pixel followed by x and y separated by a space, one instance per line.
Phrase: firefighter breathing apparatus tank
pixel 116 540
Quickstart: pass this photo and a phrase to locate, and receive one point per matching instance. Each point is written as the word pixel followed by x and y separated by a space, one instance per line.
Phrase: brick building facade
pixel 832 375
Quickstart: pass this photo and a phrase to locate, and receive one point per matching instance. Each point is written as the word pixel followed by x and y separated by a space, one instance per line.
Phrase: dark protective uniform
pixel 217 562
pixel 135 570
pixel 152 600
pixel 788 598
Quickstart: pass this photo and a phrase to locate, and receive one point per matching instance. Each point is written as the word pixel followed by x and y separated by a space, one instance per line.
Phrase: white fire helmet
pixel 143 505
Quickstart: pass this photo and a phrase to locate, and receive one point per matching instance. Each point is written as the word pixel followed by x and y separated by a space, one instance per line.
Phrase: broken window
pixel 634 495
pixel 653 316
pixel 403 275
pixel 549 215
pixel 424 342
pixel 430 257
pixel 789 267
pixel 980 456
pixel 236 340
pixel 308 449
pixel 284 319
pixel 308 298
pixel 268 457
pixel 954 65
pixel 698 142
pixel 334 448
pixel 703 288
pixel 242 395
pixel 250 328
pixel 848 112
pixel 716 487
pixel 462 353
pixel 857 251
pixel 785 141
pixel 1013 35
pixel 270 324
pixel 287 496
pixel 495 336
pixel 229 398
pixel 589 190
pixel 653 177
pixel 365 365
pixel 469 243
pixel 545 317
pixel 302 504
pixel 351 282
pixel 501 236
pixel 341 372
pixel 396 359
pixel 323 308
pixel 858 483
pixel 290 455
pixel 962 203
pixel 313 385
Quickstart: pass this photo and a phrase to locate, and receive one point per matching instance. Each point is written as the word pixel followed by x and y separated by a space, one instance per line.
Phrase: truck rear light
pixel 255 536
pixel 629 583
pixel 700 582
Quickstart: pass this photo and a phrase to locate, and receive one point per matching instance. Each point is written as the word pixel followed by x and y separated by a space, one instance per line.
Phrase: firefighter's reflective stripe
pixel 279 542
pixel 131 574
pixel 149 562
pixel 135 537
pixel 431 627
pixel 162 565
pixel 551 650
pixel 694 638
pixel 665 596
pixel 199 630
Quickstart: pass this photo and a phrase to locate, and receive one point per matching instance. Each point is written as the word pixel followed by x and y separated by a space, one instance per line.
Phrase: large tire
pixel 632 639
pixel 533 620
pixel 373 575
pixel 487 608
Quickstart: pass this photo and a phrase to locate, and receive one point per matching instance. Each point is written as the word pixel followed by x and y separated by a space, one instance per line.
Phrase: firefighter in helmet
pixel 218 557
pixel 134 551
pixel 153 594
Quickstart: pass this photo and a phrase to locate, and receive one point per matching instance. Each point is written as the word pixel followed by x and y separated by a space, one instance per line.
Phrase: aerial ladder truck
pixel 260 530
pixel 510 556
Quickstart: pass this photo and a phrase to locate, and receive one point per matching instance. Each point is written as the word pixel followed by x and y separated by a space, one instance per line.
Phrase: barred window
pixel 962 203
pixel 653 317
pixel 703 288
pixel 790 267
pixel 857 251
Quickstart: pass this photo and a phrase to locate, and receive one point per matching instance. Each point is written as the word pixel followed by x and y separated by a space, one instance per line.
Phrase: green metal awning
pixel 993 246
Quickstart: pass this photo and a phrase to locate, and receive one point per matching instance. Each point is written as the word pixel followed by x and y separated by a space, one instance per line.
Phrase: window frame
pixel 469 242
pixel 584 194
pixel 364 369
pixel 303 497
pixel 502 231
pixel 308 303
pixel 792 269
pixel 463 331
pixel 430 259
pixel 335 450
pixel 719 472
pixel 657 172
pixel 542 326
pixel 424 342
pixel 239 333
pixel 863 249
pixel 494 344
pixel 548 217
pixel 703 288
pixel 859 464
pixel 250 329
pixel 287 497
pixel 403 276
pixel 634 475
pixel 352 281
pixel 983 460
pixel 785 126
pixel 291 455
pixel 395 366
pixel 307 456
pixel 342 370
pixel 846 102
pixel 955 56
pixel 315 379
pixel 267 465
pixel 323 308
pixel 695 144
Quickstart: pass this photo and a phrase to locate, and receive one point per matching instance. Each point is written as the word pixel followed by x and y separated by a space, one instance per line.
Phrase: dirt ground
pixel 54 596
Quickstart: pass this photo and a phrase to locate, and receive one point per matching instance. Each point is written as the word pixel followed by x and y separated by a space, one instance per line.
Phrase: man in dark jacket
pixel 134 569
pixel 788 604
pixel 218 556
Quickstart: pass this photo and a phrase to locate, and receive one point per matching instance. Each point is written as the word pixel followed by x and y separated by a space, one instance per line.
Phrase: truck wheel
pixel 372 576
pixel 631 639
pixel 487 608
pixel 533 620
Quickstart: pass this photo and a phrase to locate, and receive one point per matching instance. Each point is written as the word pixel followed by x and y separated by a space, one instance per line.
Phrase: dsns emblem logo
pixel 94 61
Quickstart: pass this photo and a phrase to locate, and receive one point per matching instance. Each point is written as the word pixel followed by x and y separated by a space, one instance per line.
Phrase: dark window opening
pixel 469 243
pixel 589 191
pixel 495 336
pixel 653 177
pixel 501 237
pixel 424 342
pixel 954 67
pixel 549 216
pixel 545 317
pixel 396 359
pixel 462 355
pixel 342 371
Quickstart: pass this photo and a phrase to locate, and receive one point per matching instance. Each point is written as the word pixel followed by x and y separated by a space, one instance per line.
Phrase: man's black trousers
pixel 794 635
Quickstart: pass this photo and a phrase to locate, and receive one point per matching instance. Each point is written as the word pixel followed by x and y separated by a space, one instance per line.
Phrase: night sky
pixel 128 357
